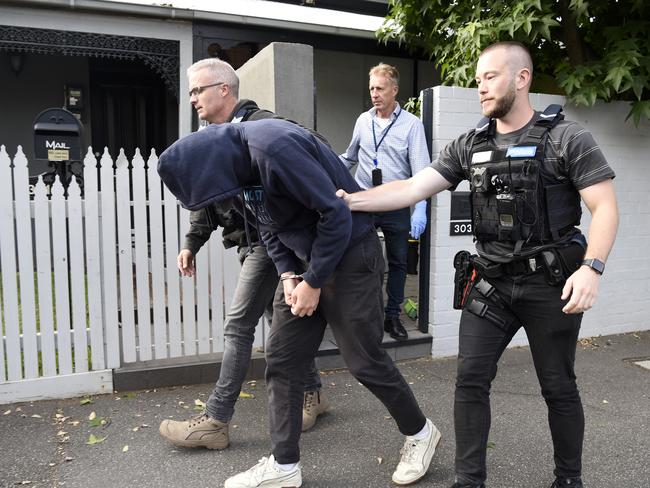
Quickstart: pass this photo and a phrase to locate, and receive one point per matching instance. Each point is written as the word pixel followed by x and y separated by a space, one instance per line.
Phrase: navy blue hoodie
pixel 288 179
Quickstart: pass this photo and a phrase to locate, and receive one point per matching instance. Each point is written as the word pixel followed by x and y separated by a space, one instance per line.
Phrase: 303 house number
pixel 463 228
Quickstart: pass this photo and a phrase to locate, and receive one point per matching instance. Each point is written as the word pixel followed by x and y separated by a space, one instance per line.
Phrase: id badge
pixel 376 177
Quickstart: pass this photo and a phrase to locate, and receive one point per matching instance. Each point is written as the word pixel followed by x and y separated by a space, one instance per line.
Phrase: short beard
pixel 504 104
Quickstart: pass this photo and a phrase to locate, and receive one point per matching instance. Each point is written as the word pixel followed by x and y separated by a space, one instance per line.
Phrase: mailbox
pixel 58 139
pixel 57 136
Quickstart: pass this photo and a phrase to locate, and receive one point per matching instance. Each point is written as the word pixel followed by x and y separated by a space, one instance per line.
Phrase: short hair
pixel 386 70
pixel 519 54
pixel 221 71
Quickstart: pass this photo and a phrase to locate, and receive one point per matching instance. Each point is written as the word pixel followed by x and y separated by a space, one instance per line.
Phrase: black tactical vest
pixel 514 196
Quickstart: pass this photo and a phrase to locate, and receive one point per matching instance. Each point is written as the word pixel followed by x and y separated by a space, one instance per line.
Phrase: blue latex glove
pixel 419 219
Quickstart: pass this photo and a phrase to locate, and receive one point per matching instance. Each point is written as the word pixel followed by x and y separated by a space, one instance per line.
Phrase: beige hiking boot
pixel 199 431
pixel 314 404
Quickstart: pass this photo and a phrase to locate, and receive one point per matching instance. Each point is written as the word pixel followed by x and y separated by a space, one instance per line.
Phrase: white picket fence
pixel 103 289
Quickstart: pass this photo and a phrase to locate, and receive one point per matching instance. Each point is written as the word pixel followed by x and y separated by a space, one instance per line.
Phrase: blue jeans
pixel 351 303
pixel 396 226
pixel 253 297
pixel 528 302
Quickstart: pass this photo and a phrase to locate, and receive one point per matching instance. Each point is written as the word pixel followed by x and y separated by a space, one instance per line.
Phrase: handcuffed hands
pixel 302 298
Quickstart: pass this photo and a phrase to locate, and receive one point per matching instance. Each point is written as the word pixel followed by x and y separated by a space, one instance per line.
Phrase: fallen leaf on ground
pixel 7 412
pixel 243 394
pixel 379 460
pixel 96 422
pixel 92 415
pixel 135 429
pixel 125 448
pixel 86 401
pixel 199 403
pixel 93 439
pixel 36 416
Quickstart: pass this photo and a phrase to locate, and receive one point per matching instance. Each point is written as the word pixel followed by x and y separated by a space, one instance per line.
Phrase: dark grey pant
pixel 351 303
pixel 256 285
pixel 528 302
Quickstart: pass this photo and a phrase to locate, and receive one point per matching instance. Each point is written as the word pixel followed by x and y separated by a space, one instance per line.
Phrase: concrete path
pixel 44 444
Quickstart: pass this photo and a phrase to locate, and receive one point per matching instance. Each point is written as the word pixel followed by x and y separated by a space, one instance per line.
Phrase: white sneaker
pixel 416 457
pixel 267 475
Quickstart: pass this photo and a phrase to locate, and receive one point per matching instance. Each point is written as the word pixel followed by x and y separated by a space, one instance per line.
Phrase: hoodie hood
pixel 207 166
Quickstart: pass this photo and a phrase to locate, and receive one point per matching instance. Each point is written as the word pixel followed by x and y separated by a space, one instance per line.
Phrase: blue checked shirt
pixel 402 153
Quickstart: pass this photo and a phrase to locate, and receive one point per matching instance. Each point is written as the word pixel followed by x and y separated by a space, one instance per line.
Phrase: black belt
pixel 518 267
pixel 525 266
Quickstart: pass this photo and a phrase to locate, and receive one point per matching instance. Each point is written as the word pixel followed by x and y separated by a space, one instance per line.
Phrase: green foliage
pixel 413 105
pixel 588 51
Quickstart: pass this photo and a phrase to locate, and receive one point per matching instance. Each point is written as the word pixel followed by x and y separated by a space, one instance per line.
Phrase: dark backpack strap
pixel 245 113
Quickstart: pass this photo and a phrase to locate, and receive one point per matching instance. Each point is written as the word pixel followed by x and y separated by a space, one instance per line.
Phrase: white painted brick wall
pixel 625 289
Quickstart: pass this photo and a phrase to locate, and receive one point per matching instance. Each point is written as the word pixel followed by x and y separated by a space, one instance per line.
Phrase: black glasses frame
pixel 197 90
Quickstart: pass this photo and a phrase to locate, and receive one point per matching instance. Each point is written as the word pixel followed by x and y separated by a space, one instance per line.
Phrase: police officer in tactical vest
pixel 534 269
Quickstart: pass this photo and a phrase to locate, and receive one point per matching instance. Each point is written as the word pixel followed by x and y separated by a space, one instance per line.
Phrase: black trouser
pixel 351 303
pixel 528 302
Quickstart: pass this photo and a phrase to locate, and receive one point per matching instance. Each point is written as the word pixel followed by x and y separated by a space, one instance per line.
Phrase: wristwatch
pixel 596 264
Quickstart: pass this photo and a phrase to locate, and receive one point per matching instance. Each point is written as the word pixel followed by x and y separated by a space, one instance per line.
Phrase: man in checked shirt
pixel 389 144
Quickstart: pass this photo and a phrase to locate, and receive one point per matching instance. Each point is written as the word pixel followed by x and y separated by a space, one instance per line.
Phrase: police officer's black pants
pixel 532 304
pixel 351 303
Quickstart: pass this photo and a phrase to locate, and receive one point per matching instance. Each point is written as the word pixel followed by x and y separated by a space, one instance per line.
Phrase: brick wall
pixel 624 293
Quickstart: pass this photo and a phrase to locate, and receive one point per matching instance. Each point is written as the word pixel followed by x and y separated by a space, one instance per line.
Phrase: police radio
pixel 505 202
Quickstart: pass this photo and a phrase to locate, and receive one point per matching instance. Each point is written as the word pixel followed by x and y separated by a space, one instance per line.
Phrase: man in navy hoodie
pixel 214 94
pixel 331 269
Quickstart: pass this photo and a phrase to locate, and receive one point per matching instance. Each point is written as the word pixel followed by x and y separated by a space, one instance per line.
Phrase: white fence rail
pixel 91 283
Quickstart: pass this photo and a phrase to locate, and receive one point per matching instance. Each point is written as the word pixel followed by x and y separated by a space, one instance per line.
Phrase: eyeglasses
pixel 197 90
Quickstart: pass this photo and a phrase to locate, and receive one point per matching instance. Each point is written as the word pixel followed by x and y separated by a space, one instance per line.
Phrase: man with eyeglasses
pixel 214 91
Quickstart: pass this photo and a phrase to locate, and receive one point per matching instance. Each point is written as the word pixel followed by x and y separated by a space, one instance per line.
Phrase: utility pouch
pixel 571 258
pixel 463 278
pixel 486 268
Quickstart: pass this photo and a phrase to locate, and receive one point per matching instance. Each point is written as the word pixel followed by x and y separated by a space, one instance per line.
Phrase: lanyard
pixel 374 137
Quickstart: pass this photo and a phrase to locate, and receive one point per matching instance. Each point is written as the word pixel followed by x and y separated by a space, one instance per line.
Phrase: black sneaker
pixel 567 482
pixel 466 485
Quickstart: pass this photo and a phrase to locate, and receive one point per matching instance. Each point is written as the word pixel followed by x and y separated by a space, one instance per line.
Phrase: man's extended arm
pixel 397 194
pixel 582 286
